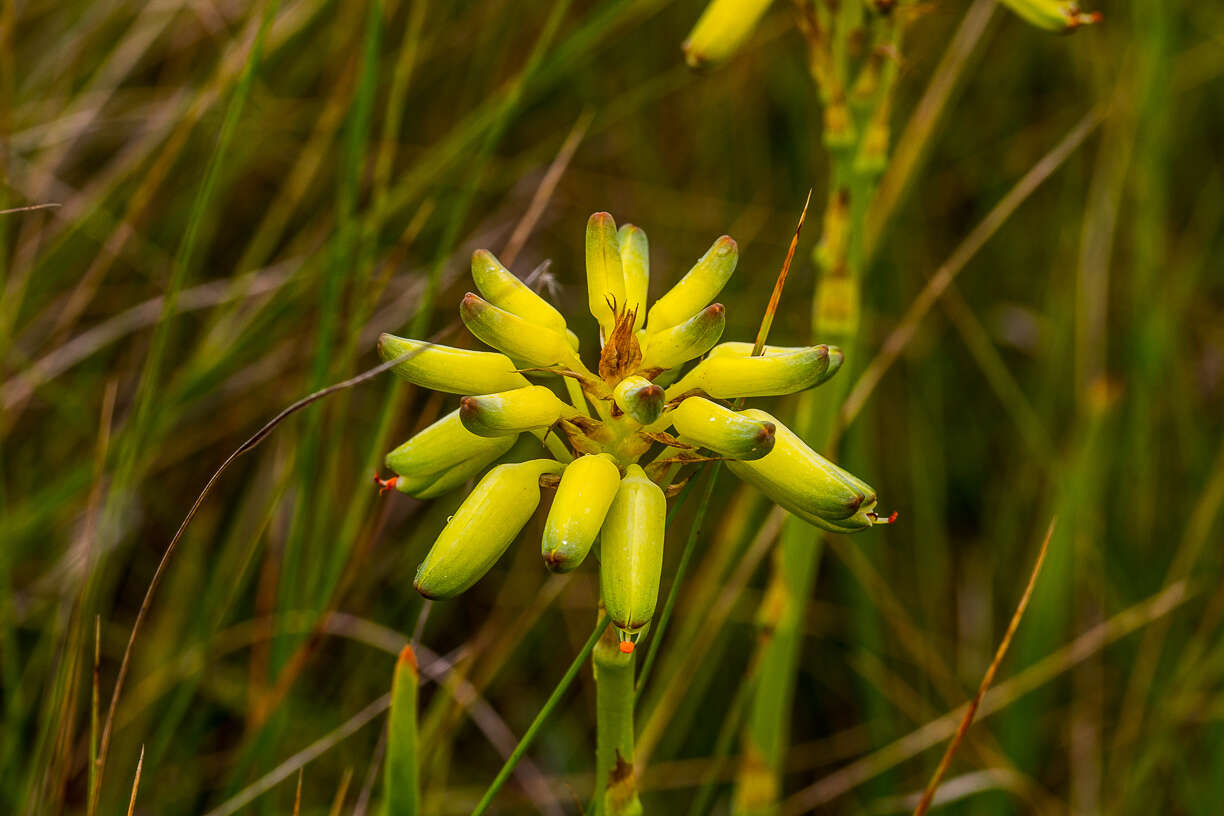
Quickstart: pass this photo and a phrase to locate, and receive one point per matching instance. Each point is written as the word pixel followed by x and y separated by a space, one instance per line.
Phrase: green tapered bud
pixel 511 412
pixel 721 29
pixel 805 483
pixel 728 433
pixel 587 488
pixel 1052 15
pixel 639 398
pixel 674 347
pixel 443 456
pixel 635 263
pixel 504 290
pixel 696 289
pixel 731 372
pixel 452 370
pixel 401 773
pixel 631 551
pixel 508 333
pixel 482 528
pixel 605 273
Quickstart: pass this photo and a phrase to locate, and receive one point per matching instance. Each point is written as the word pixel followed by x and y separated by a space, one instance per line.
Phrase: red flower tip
pixel 385 484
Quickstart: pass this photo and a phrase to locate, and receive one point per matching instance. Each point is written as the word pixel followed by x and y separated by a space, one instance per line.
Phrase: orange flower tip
pixel 408 657
pixel 385 484
pixel 767 431
pixel 892 519
pixel 626 646
pixel 715 309
pixel 726 244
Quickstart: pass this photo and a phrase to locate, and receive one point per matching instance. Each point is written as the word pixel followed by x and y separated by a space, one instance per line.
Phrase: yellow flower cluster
pixel 638 402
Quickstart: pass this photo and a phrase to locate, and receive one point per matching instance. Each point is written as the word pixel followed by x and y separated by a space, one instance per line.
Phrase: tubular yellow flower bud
pixel 511 412
pixel 696 289
pixel 605 274
pixel 733 435
pixel 452 370
pixel 635 263
pixel 532 344
pixel 482 528
pixel 805 483
pixel 632 552
pixel 692 338
pixel 1052 15
pixel 587 488
pixel 732 372
pixel 443 456
pixel 721 29
pixel 504 290
pixel 639 398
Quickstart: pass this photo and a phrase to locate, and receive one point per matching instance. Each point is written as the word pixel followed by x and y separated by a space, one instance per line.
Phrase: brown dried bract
pixel 621 353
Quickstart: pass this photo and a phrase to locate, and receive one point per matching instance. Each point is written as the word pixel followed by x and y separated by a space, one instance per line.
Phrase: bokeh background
pixel 241 213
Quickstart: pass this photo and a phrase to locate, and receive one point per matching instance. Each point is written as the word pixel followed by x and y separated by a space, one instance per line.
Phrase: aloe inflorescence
pixel 626 431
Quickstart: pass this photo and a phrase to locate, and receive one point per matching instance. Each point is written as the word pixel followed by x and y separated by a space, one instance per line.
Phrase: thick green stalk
pixel 615 791
pixel 835 320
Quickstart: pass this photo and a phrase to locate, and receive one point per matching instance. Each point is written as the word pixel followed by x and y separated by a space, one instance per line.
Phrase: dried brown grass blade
pixel 928 795
pixel 776 297
pixel 136 783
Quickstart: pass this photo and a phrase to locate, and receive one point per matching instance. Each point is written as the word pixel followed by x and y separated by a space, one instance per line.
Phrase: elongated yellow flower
pixel 685 341
pixel 443 456
pixel 520 339
pixel 605 272
pixel 452 370
pixel 506 291
pixel 728 433
pixel 511 412
pixel 635 264
pixel 1052 15
pixel 632 552
pixel 482 528
pixel 697 289
pixel 804 482
pixel 730 374
pixel 721 29
pixel 586 491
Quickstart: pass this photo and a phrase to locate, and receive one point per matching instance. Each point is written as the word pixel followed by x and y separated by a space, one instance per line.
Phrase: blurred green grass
pixel 1076 369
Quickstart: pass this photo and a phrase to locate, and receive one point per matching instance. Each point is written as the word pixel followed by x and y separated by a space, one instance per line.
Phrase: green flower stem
pixel 613 729
pixel 549 705
pixel 835 320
